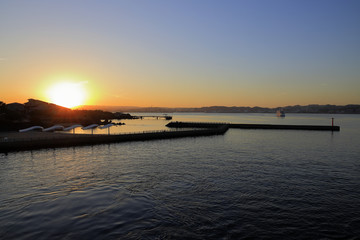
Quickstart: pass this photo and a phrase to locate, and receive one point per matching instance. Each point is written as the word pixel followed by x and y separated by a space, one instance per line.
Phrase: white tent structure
pixel 62 128
pixel 32 129
pixel 107 126
pixel 92 127
pixel 54 128
pixel 73 127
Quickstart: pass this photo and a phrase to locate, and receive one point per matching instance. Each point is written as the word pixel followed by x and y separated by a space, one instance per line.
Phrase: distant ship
pixel 280 113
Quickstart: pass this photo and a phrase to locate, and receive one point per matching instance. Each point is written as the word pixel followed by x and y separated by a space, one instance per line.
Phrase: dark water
pixel 247 184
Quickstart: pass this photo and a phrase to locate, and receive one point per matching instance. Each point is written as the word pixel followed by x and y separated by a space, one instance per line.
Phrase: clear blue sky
pixel 184 53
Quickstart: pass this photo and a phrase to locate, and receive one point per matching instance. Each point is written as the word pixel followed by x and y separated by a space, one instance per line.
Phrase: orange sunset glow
pixel 136 55
pixel 67 94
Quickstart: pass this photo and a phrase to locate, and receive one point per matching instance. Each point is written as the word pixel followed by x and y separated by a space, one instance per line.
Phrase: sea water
pixel 246 184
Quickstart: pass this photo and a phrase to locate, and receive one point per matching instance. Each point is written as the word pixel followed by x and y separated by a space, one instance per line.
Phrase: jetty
pixel 252 126
pixel 16 141
pixel 165 117
pixel 26 140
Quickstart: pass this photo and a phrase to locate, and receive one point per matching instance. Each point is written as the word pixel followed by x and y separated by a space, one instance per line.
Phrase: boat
pixel 167 117
pixel 280 113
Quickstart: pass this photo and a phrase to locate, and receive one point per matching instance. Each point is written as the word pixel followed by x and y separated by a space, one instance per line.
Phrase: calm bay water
pixel 247 184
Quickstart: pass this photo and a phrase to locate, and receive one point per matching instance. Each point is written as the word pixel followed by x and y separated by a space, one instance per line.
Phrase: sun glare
pixel 67 94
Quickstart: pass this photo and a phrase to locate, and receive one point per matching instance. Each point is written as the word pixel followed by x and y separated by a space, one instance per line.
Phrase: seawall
pixel 68 140
pixel 253 126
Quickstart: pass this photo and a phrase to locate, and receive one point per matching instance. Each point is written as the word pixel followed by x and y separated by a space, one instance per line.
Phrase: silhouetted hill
pixel 14 116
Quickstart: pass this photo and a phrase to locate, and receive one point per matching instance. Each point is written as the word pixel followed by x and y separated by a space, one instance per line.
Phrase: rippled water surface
pixel 246 184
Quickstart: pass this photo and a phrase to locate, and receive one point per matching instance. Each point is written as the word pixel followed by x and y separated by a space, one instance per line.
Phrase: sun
pixel 67 94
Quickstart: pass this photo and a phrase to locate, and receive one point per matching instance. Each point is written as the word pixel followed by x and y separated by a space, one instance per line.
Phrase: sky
pixel 183 53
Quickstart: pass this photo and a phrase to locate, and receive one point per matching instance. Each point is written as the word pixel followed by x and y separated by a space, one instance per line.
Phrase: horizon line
pixel 124 106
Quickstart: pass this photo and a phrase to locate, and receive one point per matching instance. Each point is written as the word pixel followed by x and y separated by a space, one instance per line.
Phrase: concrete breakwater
pixel 252 126
pixel 55 140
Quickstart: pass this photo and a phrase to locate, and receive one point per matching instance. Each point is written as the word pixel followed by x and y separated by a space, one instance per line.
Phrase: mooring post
pixel 332 122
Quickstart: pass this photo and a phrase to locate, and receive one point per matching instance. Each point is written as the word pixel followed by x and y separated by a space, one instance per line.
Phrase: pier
pixel 16 141
pixel 165 117
pixel 253 126
pixel 30 141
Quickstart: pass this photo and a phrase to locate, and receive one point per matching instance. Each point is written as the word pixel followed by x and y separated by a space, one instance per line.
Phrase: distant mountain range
pixel 314 108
